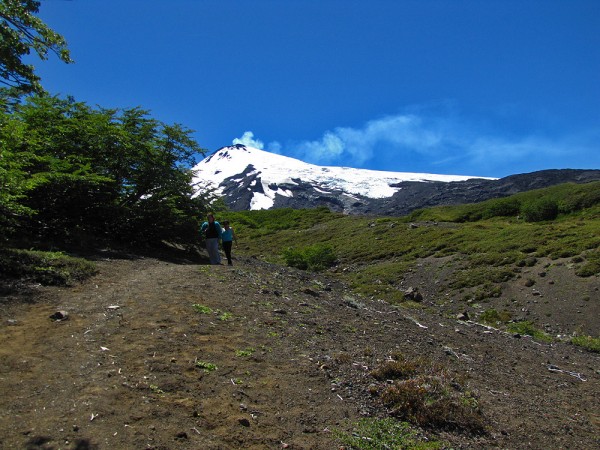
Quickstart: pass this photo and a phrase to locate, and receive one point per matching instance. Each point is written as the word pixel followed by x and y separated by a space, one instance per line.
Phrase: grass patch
pixel 47 268
pixel 526 328
pixel 388 433
pixel 591 266
pixel 480 276
pixel 244 353
pixel 221 315
pixel 588 342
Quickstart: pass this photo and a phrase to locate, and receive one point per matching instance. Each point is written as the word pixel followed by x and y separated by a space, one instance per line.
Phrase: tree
pixel 72 173
pixel 12 173
pixel 20 32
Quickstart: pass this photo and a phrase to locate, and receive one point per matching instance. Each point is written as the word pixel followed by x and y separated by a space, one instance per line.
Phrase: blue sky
pixel 487 88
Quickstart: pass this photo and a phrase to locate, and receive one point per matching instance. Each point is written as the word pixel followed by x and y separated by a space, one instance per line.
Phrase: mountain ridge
pixel 249 178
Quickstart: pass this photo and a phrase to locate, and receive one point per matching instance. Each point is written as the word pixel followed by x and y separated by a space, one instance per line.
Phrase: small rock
pixel 59 316
pixel 463 316
pixel 413 294
pixel 244 422
pixel 181 435
pixel 310 292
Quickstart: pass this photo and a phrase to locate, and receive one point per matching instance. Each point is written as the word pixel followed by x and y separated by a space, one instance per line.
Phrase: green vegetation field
pixel 492 238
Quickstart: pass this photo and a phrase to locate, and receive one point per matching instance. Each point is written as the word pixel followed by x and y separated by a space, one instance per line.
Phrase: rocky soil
pixel 270 358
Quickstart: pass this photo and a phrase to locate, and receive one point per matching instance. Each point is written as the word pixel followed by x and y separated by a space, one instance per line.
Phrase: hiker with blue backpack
pixel 211 231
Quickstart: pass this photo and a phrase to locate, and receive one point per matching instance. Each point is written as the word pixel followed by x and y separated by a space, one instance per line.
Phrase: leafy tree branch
pixel 21 31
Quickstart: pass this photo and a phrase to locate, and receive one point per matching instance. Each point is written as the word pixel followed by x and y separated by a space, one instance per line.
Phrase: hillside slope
pixel 270 357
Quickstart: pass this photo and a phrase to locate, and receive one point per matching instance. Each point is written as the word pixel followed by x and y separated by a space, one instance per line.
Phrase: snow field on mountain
pixel 240 161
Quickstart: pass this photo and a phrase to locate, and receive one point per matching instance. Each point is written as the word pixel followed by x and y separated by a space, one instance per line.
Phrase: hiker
pixel 211 230
pixel 227 238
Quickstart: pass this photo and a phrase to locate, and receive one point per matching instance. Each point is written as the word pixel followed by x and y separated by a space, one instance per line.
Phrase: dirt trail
pixel 132 367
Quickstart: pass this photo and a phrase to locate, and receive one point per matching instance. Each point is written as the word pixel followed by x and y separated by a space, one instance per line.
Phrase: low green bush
pixel 493 317
pixel 504 207
pixel 538 210
pixel 314 257
pixel 47 268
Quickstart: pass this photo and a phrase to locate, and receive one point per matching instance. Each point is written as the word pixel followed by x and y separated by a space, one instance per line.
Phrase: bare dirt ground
pixel 281 360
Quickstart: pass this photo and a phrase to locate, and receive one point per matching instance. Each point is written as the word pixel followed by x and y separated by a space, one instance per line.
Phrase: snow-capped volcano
pixel 249 178
pixel 268 180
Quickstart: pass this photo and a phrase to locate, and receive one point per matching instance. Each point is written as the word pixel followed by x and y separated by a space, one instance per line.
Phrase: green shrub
pixel 493 317
pixel 295 258
pixel 315 257
pixel 202 309
pixel 504 207
pixel 538 210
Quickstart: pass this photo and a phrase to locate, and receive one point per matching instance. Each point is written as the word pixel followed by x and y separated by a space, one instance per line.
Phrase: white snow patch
pixel 260 201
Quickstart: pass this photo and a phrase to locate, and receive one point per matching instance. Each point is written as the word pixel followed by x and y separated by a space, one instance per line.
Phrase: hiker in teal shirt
pixel 227 238
pixel 211 230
